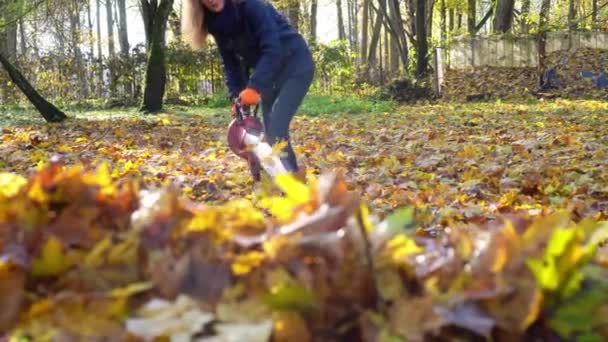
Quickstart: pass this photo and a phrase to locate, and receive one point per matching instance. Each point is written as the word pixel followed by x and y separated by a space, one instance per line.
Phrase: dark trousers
pixel 281 103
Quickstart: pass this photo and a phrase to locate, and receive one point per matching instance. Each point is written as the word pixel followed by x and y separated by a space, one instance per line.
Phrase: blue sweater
pixel 251 34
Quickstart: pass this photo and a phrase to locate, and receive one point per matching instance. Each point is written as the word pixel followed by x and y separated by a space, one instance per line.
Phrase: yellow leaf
pixel 81 139
pixel 535 307
pixel 500 258
pixel 401 246
pixel 244 263
pixel 277 149
pixel 274 245
pixel 293 189
pixel 95 257
pixel 123 252
pixel 65 148
pixel 37 194
pixel 279 207
pixel 367 224
pixel 507 199
pixel 102 177
pixel 10 184
pixel 132 289
pixel 129 167
pixel 40 308
pixel 52 260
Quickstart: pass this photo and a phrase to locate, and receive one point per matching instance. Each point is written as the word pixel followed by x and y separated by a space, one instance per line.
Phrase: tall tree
pixel 545 7
pixel 91 41
pixel 421 39
pixel 75 47
pixel 503 19
pixel 397 29
pixel 111 47
pixel 594 13
pixel 123 36
pixel 525 16
pixel 313 20
pixel 21 25
pixel 341 30
pixel 293 8
pixel 155 15
pixel 471 16
pixel 110 26
pixel 353 25
pixel 372 53
pixel 443 22
pixel 365 29
pixel 572 23
pixel 99 51
pixel 9 11
pixel 48 111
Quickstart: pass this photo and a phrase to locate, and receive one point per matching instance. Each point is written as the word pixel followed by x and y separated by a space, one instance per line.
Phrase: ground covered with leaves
pixel 136 228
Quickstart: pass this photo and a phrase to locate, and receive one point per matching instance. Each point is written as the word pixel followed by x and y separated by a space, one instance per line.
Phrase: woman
pixel 251 34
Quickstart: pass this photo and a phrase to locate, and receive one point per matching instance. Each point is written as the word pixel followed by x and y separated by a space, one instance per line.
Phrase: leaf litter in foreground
pixel 151 264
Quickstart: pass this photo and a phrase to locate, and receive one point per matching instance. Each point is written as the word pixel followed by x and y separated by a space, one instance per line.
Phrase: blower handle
pixel 240 110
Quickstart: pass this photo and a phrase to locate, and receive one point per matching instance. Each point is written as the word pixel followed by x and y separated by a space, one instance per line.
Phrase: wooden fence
pixel 517 52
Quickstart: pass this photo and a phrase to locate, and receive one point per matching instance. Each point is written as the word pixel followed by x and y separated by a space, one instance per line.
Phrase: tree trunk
pixel 111 47
pixel 411 8
pixel 451 20
pixel 594 13
pixel 379 58
pixel 421 39
pixel 572 24
pixel 49 112
pixel 8 32
pixel 525 16
pixel 123 37
pixel 544 14
pixel 341 30
pixel 430 5
pixel 77 53
pixel 373 45
pixel 155 24
pixel 349 20
pixel 123 40
pixel 471 16
pixel 503 19
pixel 23 38
pixel 387 51
pixel 395 55
pixel 99 52
pixel 313 20
pixel 399 31
pixel 443 23
pixel 364 29
pixel 294 14
pixel 91 38
pixel 485 19
pixel 459 20
pixel 542 37
pixel 110 25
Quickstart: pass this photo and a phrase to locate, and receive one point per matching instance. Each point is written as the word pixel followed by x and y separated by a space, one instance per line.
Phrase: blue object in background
pixel 599 80
pixel 602 81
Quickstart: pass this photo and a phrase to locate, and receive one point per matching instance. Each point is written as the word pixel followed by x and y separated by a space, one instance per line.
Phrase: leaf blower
pixel 246 140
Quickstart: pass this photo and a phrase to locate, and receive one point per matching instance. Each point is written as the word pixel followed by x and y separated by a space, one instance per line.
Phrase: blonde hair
pixel 194 30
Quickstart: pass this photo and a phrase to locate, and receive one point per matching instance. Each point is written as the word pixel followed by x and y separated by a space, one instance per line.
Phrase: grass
pixel 217 108
pixel 315 105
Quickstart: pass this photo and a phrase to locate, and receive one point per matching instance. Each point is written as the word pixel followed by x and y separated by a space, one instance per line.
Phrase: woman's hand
pixel 249 97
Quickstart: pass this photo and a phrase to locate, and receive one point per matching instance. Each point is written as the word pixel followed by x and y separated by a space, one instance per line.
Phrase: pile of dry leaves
pixel 86 258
